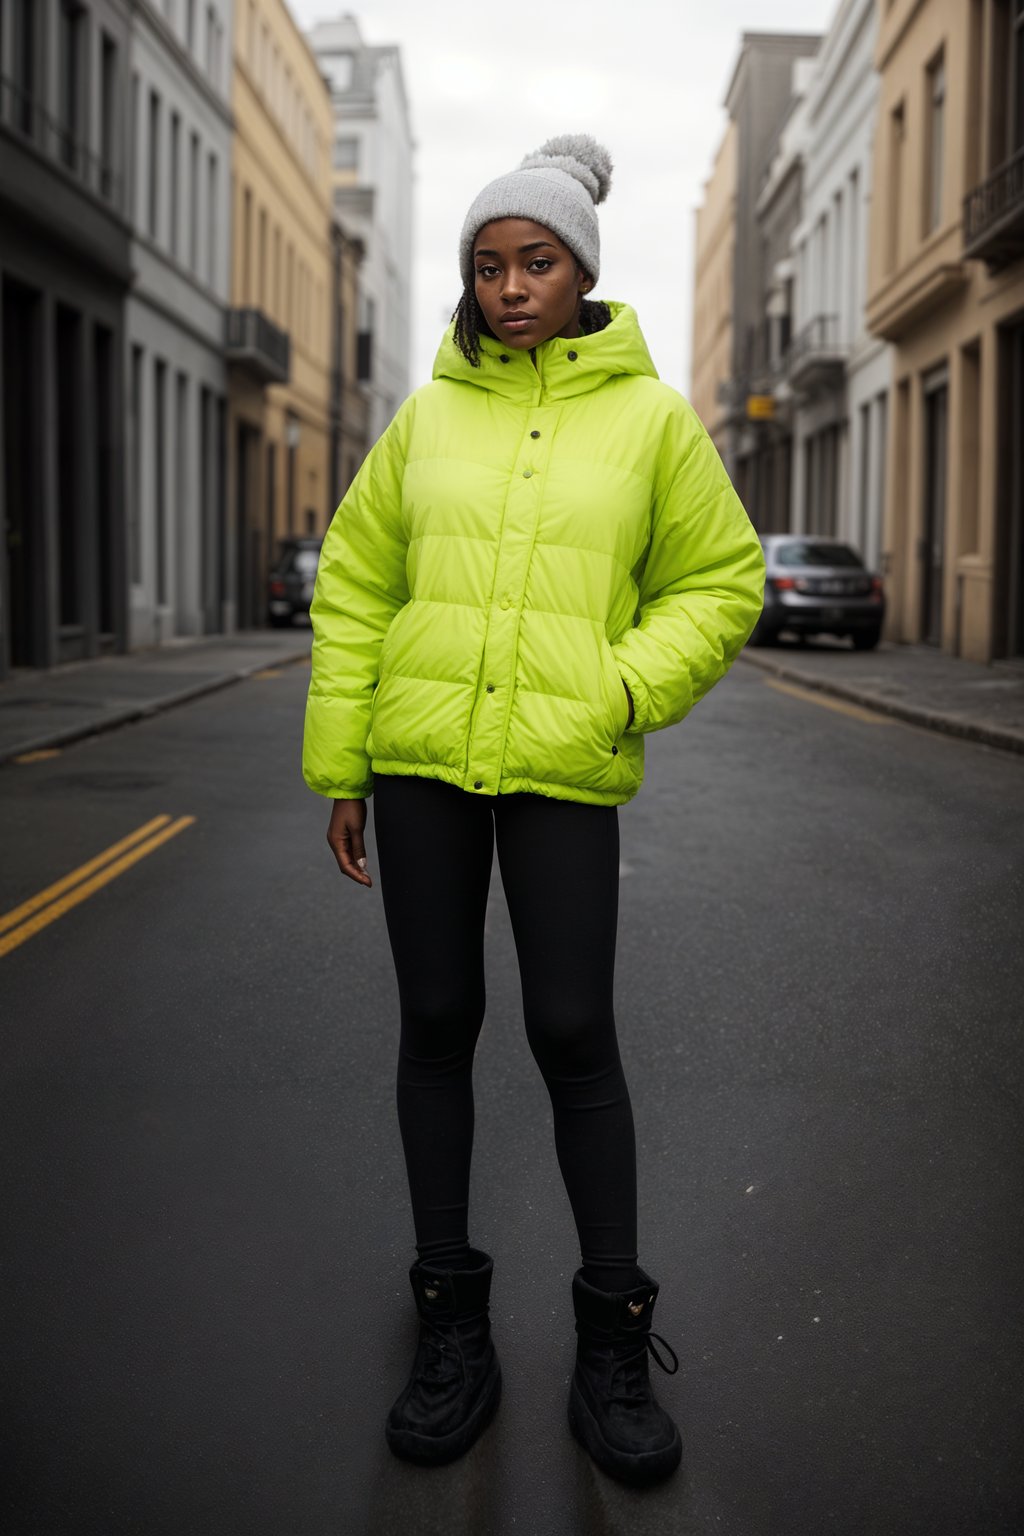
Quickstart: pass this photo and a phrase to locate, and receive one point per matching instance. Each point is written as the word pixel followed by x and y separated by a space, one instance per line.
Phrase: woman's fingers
pixel 345 837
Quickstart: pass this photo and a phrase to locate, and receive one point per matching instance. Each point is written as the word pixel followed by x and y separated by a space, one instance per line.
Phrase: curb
pixel 144 711
pixel 911 714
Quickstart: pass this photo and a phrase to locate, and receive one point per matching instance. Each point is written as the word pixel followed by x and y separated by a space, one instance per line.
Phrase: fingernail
pixel 361 863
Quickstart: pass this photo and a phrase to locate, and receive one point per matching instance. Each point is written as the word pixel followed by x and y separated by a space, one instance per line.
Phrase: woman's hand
pixel 629 696
pixel 345 836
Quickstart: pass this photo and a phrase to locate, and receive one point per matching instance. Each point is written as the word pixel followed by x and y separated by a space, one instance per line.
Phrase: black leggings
pixel 559 866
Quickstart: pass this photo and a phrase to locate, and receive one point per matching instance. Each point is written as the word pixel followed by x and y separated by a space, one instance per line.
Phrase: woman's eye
pixel 541 263
pixel 486 271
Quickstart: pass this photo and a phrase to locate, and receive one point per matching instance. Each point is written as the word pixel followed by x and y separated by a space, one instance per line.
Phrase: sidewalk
pixel 912 682
pixel 42 710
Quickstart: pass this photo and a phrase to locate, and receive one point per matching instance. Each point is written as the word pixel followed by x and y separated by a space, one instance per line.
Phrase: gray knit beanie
pixel 557 186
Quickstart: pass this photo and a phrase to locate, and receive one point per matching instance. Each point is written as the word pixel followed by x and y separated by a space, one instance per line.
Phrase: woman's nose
pixel 512 286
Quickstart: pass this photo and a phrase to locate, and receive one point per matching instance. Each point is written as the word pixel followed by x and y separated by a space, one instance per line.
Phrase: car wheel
pixel 280 620
pixel 865 639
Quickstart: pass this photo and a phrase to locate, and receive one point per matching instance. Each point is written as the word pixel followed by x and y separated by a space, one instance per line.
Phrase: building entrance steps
pixel 40 711
pixel 915 683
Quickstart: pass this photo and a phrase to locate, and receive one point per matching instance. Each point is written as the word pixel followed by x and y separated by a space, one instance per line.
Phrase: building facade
pixel 714 259
pixel 770 401
pixel 372 175
pixel 281 320
pixel 838 373
pixel 180 210
pixel 946 289
pixel 758 100
pixel 65 271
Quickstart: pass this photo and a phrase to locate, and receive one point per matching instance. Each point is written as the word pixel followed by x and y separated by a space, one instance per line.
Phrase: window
pixel 337 69
pixel 346 153
pixel 175 175
pixel 247 247
pixel 211 41
pixel 1016 113
pixel 897 120
pixel 934 144
pixel 70 62
pixel 133 169
pixel 261 261
pixel 211 220
pixel 154 163
pixel 108 114
pixel 193 203
pixel 23 65
pixel 190 25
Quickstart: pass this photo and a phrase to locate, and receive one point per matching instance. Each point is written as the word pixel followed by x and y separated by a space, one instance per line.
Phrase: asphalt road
pixel 205 1232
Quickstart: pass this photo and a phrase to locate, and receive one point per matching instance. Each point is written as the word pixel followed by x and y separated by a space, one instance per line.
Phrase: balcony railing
pixel 994 215
pixel 256 344
pixel 22 115
pixel 816 358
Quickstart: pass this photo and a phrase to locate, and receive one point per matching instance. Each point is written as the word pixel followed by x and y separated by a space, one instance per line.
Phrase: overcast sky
pixel 489 82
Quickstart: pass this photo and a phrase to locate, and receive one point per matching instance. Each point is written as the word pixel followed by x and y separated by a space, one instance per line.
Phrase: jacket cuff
pixel 638 692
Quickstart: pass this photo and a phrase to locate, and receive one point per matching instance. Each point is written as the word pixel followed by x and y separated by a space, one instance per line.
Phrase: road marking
pixel 47 910
pixel 43 755
pixel 19 914
pixel 810 696
pixel 267 672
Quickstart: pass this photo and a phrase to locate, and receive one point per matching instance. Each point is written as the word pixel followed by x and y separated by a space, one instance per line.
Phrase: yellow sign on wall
pixel 760 407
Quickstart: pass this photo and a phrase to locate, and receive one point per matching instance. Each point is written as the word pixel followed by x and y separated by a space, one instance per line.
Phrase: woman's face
pixel 528 283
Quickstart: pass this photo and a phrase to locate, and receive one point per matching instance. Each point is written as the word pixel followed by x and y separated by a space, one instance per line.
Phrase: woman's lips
pixel 516 322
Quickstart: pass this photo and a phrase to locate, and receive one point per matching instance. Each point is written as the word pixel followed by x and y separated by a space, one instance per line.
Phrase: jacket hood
pixel 563 367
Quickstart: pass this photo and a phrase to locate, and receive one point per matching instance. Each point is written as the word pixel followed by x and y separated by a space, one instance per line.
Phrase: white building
pixel 179 207
pixel 372 175
pixel 839 374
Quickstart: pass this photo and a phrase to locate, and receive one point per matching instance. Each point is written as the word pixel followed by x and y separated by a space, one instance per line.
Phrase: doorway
pixel 1010 591
pixel 932 545
pixel 23 532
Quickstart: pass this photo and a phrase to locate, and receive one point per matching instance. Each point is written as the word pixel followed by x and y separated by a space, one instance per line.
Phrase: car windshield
pixel 807 552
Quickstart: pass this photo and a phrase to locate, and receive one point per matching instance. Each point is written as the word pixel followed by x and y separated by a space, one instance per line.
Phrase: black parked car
pixel 817 586
pixel 291 580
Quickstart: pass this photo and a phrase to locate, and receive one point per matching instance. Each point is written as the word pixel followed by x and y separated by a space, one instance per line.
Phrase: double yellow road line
pixel 39 911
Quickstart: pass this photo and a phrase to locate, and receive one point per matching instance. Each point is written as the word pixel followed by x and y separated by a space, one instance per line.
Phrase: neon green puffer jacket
pixel 524 538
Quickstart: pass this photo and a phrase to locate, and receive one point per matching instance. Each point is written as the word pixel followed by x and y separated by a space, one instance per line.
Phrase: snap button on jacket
pixel 524 538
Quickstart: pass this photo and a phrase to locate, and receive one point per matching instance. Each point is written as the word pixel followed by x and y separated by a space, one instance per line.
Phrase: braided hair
pixel 470 324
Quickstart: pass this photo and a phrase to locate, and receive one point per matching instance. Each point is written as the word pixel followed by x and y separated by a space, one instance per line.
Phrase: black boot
pixel 456 1380
pixel 612 1409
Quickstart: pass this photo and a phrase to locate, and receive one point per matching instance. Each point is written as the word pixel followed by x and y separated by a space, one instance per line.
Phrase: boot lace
pixel 630 1383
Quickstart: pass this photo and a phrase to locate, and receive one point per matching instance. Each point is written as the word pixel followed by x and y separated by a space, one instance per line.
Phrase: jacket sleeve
pixel 701 590
pixel 361 584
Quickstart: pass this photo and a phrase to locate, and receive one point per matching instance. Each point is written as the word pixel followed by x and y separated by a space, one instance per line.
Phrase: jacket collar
pixel 562 368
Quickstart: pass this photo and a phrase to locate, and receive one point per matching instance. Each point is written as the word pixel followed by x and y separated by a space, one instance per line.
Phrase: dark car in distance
pixel 290 587
pixel 817 586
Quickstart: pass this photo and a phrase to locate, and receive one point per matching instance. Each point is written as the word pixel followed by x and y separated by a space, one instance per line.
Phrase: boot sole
pixel 628 1467
pixel 435 1450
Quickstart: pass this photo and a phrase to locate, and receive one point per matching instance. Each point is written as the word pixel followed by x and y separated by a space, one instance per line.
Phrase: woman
pixel 541 560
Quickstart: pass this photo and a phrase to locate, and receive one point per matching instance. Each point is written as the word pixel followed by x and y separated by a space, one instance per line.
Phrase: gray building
pixel 64 277
pixel 758 100
pixel 372 180
pixel 175 371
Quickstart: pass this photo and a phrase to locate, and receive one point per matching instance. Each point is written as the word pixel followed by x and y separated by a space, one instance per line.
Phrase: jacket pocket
pixel 615 689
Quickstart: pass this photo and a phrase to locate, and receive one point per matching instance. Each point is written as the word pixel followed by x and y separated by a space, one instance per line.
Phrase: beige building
pixel 714 258
pixel 281 325
pixel 946 288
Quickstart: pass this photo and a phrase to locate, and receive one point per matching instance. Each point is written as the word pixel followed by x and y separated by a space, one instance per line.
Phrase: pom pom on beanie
pixel 558 186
